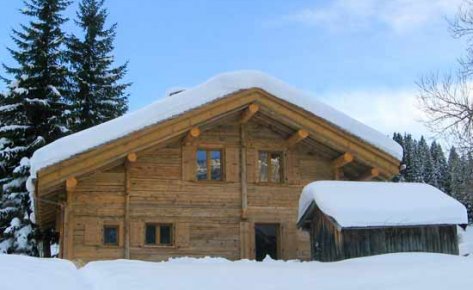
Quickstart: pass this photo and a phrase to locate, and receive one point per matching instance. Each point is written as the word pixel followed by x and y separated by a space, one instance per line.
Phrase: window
pixel 270 167
pixel 209 164
pixel 110 235
pixel 159 234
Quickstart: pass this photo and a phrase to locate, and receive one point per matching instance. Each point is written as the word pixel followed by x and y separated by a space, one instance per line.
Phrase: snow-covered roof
pixel 213 89
pixel 371 204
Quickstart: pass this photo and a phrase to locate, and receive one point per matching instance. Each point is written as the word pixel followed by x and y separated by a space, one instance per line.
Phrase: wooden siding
pixel 329 243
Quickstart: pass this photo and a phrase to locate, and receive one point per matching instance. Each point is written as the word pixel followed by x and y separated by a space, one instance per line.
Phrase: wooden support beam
pixel 131 157
pixel 68 224
pixel 249 112
pixel 191 136
pixel 243 174
pixel 297 137
pixel 342 160
pixel 370 174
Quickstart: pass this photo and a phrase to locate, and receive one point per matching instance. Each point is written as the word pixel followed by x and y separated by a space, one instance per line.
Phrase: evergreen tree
pixel 441 173
pixel 412 172
pixel 456 176
pixel 32 114
pixel 98 94
pixel 426 163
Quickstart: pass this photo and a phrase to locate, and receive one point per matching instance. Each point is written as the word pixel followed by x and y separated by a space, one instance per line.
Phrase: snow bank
pixel 22 272
pixel 362 204
pixel 215 88
pixel 465 241
pixel 403 271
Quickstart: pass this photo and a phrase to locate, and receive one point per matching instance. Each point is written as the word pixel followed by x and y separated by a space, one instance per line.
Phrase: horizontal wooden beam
pixel 131 157
pixel 71 183
pixel 342 160
pixel 370 174
pixel 191 135
pixel 249 112
pixel 296 138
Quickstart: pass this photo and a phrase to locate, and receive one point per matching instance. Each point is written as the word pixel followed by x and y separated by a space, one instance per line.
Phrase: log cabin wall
pixel 207 216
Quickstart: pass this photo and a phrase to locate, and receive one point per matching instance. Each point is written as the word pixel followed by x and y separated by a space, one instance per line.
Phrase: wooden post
pixel 243 175
pixel 68 238
pixel 248 113
pixel 370 174
pixel 296 138
pixel 191 136
pixel 130 159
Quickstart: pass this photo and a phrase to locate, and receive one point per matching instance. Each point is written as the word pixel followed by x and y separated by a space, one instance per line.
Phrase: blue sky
pixel 361 56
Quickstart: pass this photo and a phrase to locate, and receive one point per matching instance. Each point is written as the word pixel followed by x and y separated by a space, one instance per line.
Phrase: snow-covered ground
pixel 394 271
pixel 403 271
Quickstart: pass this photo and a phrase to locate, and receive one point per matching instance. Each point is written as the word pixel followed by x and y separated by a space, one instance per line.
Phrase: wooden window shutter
pixel 251 164
pixel 137 234
pixel 93 233
pixel 188 163
pixel 232 169
pixel 182 235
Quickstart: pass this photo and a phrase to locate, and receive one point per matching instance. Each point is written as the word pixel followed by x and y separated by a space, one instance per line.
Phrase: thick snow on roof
pixel 215 88
pixel 366 204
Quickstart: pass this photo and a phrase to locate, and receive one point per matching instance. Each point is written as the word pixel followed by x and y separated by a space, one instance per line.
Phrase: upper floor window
pixel 159 234
pixel 270 166
pixel 209 164
pixel 110 235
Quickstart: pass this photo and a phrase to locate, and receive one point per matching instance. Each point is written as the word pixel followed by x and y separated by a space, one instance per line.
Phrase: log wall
pixel 207 215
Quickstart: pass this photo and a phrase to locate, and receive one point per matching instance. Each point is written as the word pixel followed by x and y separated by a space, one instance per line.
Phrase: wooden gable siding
pixel 207 215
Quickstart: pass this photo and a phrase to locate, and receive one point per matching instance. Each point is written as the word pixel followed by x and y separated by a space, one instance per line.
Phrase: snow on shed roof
pixel 371 204
pixel 213 89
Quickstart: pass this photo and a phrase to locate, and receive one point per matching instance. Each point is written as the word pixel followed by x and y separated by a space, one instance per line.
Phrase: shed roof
pixel 380 204
pixel 217 87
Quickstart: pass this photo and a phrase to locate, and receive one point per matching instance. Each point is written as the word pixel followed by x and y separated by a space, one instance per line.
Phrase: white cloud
pixel 387 111
pixel 396 15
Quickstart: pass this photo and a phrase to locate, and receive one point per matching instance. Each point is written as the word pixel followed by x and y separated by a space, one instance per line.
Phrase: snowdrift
pixel 394 271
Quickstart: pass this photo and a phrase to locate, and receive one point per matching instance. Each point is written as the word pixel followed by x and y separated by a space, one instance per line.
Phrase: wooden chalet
pixel 349 220
pixel 215 170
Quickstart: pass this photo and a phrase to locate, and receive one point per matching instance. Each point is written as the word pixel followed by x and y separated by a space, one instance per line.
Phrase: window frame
pixel 112 226
pixel 281 169
pixel 208 156
pixel 158 234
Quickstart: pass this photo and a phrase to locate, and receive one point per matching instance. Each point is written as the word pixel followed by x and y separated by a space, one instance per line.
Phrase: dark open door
pixel 266 241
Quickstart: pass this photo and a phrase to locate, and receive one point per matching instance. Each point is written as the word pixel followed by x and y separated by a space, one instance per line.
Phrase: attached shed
pixel 349 219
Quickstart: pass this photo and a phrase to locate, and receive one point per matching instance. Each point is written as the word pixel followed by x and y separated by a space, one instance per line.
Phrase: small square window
pixel 110 235
pixel 209 164
pixel 270 167
pixel 159 234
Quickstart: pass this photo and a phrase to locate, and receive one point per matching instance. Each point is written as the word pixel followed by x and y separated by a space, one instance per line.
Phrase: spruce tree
pixel 441 173
pixel 32 114
pixel 426 163
pixel 411 173
pixel 98 93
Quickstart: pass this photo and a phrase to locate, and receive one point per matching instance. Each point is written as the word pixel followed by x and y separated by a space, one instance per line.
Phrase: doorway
pixel 266 241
